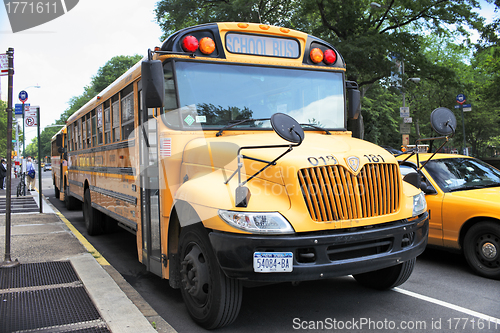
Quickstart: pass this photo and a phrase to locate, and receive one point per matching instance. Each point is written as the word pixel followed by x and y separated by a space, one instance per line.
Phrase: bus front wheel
pixel 91 215
pixel 387 278
pixel 212 299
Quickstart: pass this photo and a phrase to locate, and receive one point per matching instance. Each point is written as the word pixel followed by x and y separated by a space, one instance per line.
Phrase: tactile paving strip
pixel 37 274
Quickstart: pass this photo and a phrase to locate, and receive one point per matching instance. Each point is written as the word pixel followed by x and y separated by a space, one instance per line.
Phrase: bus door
pixel 149 180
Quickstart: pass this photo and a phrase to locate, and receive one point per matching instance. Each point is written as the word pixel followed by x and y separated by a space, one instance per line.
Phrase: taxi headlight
pixel 419 204
pixel 262 223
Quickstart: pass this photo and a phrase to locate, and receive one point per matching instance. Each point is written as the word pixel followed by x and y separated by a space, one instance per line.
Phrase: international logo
pixel 27 14
pixel 353 163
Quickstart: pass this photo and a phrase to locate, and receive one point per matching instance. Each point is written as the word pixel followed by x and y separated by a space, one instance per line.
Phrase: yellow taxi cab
pixel 463 201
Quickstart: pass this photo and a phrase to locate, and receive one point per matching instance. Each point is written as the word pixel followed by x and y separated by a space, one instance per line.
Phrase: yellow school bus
pixel 226 151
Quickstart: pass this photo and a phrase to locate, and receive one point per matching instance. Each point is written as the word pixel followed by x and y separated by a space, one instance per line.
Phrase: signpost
pixel 4 64
pixel 464 107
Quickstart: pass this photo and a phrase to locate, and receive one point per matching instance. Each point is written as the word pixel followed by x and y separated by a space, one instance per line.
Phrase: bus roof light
pixel 207 45
pixel 190 44
pixel 316 55
pixel 330 57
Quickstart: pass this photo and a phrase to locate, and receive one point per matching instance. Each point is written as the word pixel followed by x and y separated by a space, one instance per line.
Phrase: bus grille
pixel 332 193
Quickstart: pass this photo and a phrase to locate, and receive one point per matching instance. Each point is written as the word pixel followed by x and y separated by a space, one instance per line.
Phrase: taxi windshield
pixel 458 174
pixel 212 96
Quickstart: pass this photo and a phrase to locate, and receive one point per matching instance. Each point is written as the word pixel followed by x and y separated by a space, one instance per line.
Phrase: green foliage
pixel 106 75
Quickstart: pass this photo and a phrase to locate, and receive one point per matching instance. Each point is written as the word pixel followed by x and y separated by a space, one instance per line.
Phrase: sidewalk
pixel 62 283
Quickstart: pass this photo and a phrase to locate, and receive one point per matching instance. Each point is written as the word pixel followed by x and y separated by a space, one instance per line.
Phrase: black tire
pixel 70 202
pixel 482 249
pixel 212 299
pixel 57 192
pixel 387 278
pixel 91 216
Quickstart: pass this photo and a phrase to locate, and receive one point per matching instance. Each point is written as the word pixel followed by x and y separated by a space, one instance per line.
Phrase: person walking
pixel 3 173
pixel 30 175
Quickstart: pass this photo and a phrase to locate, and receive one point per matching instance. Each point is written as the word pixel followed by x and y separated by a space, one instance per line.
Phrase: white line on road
pixel 449 305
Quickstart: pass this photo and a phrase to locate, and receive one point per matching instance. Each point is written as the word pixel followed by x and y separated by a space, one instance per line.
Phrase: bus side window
pixel 107 122
pixel 127 108
pixel 99 124
pixel 115 111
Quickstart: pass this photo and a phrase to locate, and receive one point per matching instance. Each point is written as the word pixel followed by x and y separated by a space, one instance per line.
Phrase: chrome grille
pixel 332 193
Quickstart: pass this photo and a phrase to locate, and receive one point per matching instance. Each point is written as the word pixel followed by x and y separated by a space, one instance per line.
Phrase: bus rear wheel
pixel 212 299
pixel 387 278
pixel 91 215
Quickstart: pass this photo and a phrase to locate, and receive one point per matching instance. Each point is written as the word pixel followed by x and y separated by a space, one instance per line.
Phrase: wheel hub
pixel 489 250
pixel 195 275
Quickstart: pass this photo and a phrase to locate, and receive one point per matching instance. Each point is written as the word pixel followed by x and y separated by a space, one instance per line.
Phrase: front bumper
pixel 321 255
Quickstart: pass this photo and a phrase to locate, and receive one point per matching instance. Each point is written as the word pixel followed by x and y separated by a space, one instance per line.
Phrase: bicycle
pixel 21 187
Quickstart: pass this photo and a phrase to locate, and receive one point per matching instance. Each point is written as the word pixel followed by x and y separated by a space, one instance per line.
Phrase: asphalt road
pixel 442 295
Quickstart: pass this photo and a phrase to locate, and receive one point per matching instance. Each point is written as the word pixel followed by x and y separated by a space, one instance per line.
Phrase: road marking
pixel 92 250
pixel 448 305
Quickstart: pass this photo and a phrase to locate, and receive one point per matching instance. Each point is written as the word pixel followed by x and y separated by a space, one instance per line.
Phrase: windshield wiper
pixel 219 133
pixel 318 128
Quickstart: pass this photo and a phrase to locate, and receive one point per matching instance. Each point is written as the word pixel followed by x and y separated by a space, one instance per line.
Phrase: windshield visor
pixel 212 96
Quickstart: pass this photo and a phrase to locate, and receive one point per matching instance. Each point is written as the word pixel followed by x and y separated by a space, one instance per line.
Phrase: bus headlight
pixel 419 204
pixel 262 223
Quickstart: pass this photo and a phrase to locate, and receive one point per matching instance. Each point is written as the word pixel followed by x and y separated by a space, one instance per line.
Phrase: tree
pixel 369 35
pixel 105 75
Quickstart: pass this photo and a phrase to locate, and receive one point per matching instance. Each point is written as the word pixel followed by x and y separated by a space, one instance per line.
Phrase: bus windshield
pixel 212 96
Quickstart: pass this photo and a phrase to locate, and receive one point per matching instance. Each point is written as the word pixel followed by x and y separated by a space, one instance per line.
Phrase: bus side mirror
pixel 354 99
pixel 59 142
pixel 152 83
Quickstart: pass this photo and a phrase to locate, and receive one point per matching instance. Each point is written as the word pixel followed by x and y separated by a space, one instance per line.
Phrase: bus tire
pixel 70 202
pixel 213 300
pixel 387 278
pixel 91 215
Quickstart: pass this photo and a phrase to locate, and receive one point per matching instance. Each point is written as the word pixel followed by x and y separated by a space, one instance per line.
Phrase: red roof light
pixel 330 57
pixel 190 44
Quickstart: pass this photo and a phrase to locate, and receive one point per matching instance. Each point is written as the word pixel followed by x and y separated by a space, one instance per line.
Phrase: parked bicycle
pixel 21 187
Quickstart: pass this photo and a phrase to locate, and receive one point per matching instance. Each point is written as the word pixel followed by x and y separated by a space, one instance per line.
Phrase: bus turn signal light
pixel 190 44
pixel 316 55
pixel 207 45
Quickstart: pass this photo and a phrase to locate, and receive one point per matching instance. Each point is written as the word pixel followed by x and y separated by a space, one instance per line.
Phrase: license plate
pixel 272 262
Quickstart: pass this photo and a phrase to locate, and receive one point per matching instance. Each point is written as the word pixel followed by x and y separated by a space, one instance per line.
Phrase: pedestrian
pixel 3 173
pixel 30 175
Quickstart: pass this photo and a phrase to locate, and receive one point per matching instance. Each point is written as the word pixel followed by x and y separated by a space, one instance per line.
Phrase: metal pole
pixel 8 261
pixel 24 135
pixel 39 159
pixel 463 129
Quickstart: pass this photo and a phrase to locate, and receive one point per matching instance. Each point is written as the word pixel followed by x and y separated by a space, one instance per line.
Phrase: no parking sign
pixel 30 117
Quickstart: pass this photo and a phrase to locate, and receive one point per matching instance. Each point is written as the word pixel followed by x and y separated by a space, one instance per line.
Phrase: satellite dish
pixel 287 128
pixel 443 121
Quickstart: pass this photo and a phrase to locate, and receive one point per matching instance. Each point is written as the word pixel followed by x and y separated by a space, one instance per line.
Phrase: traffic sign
pixel 404 112
pixel 19 108
pixel 460 98
pixel 408 120
pixel 23 96
pixel 466 105
pixel 404 128
pixel 30 117
pixel 4 64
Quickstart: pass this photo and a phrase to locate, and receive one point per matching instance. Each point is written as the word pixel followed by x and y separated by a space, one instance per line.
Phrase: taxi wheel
pixel 482 249
pixel 212 299
pixel 91 216
pixel 387 278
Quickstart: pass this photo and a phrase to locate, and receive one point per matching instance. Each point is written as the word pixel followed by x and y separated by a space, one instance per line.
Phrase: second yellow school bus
pixel 226 151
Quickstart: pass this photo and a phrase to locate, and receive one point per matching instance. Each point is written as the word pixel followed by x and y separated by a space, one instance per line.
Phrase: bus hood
pixel 204 155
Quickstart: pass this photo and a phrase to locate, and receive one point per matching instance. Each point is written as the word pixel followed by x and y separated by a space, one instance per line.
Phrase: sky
pixel 62 55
